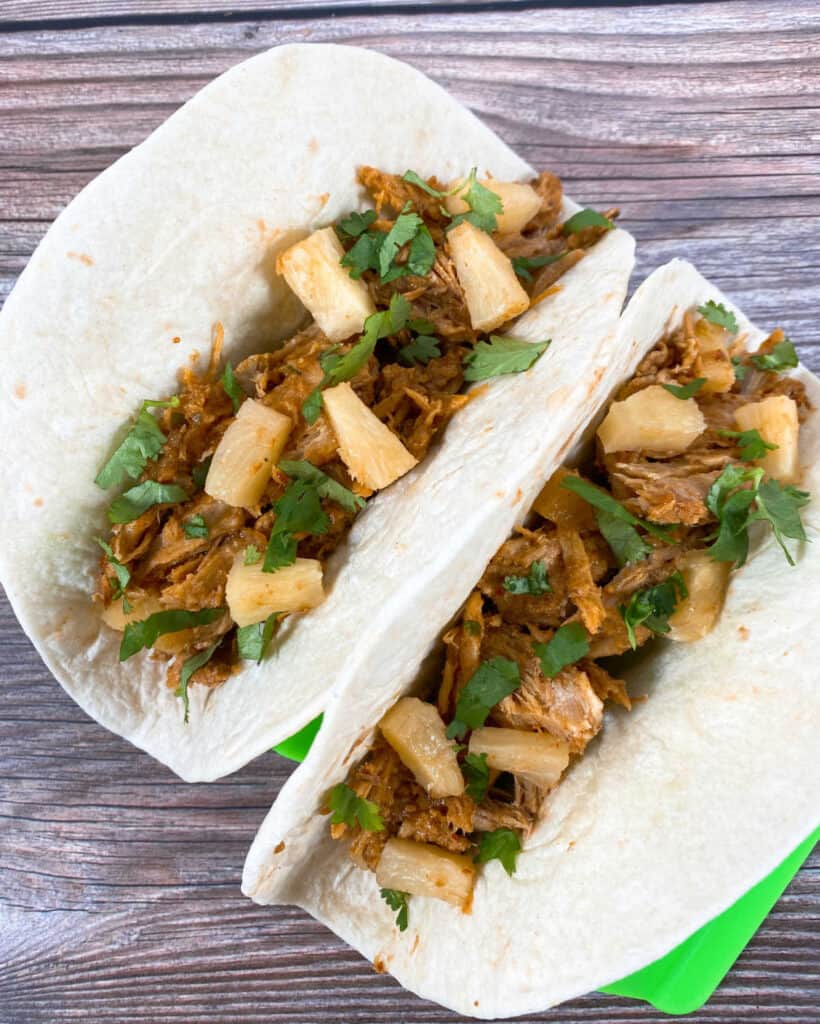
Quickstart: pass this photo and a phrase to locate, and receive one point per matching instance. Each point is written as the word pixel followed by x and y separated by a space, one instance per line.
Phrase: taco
pixel 616 737
pixel 289 303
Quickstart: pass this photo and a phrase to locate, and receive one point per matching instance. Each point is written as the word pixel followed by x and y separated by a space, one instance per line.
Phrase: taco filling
pixel 237 489
pixel 636 543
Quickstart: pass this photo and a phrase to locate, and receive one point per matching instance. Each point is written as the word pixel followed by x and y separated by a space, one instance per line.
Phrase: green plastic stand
pixel 683 980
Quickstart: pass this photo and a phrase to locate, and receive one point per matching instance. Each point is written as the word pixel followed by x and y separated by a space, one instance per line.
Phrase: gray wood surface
pixel 119 893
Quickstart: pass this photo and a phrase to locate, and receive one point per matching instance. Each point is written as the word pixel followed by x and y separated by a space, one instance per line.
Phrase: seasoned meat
pixel 514 558
pixel 581 587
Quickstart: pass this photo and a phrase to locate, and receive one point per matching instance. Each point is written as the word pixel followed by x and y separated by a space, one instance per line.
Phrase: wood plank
pixel 118 883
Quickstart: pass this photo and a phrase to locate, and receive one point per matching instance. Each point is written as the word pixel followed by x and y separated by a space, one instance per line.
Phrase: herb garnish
pixel 350 809
pixel 397 900
pixel 606 503
pixel 199 474
pixel 143 441
pixel 522 265
pixel 782 357
pixel 716 313
pixel 132 503
pixel 232 388
pixel 653 606
pixel 568 644
pixel 535 582
pixel 299 510
pixel 684 391
pixel 491 682
pixel 421 349
pixel 586 219
pixel 355 224
pixel 121 572
pixel 324 485
pixel 477 774
pixel 501 355
pixel 252 555
pixel 626 543
pixel 484 205
pixel 195 527
pixel 252 641
pixel 146 632
pixel 503 844
pixel 751 444
pixel 377 250
pixel 189 666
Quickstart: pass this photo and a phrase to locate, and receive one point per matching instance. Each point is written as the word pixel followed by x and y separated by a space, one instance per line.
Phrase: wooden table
pixel 119 897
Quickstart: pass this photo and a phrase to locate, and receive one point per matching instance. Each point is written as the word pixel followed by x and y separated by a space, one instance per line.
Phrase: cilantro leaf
pixel 626 543
pixel 420 256
pixel 731 507
pixel 412 178
pixel 252 555
pixel 350 809
pixel 606 503
pixel 751 444
pixel 355 224
pixel 501 355
pixel 299 510
pixel 325 486
pixel 653 606
pixel 143 441
pixel 404 230
pixel 535 582
pixel 364 255
pixel 586 219
pixel 232 388
pixel 522 265
pixel 189 666
pixel 477 774
pixel 716 313
pixel 484 205
pixel 780 506
pixel 421 349
pixel 195 526
pixel 782 357
pixel 503 844
pixel 199 473
pixel 252 641
pixel 121 572
pixel 132 503
pixel 740 367
pixel 397 900
pixel 312 405
pixel 280 552
pixel 568 644
pixel 146 632
pixel 376 326
pixel 491 682
pixel 684 391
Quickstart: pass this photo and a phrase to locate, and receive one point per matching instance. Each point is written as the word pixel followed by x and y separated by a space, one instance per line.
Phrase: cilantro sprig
pixel 653 606
pixel 122 574
pixel 350 809
pixel 484 205
pixel 252 641
pixel 568 644
pixel 195 527
pixel 599 499
pixel 476 773
pixel 299 510
pixel 501 355
pixel 684 391
pixel 716 313
pixel 132 503
pixel 146 632
pixel 231 387
pixel 503 844
pixel 324 485
pixel 782 357
pixel 491 682
pixel 535 582
pixel 523 265
pixel 750 444
pixel 586 218
pixel 143 442
pixel 377 250
pixel 397 900
pixel 189 666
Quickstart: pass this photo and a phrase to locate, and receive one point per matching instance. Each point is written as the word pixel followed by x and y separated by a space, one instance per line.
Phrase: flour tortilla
pixel 677 809
pixel 126 287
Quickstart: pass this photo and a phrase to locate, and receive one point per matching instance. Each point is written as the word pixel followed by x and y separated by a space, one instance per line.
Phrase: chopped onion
pixel 370 450
pixel 775 419
pixel 414 729
pixel 314 271
pixel 536 756
pixel 706 580
pixel 651 419
pixel 426 870
pixel 250 447
pixel 253 595
pixel 491 289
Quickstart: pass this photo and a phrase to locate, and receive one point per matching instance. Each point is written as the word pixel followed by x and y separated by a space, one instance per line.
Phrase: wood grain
pixel 118 884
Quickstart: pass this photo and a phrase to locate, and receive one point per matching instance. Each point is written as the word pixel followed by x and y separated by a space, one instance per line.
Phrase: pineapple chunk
pixel 371 451
pixel 536 756
pixel 713 360
pixel 775 419
pixel 426 870
pixel 491 289
pixel 313 269
pixel 414 729
pixel 563 507
pixel 253 595
pixel 242 462
pixel 520 203
pixel 142 606
pixel 652 419
pixel 706 580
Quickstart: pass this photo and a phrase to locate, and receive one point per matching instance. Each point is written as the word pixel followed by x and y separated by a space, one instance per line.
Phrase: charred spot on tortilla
pixel 635 544
pixel 238 488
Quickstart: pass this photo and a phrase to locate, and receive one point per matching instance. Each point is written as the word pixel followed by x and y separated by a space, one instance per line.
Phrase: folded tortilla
pixel 126 287
pixel 678 808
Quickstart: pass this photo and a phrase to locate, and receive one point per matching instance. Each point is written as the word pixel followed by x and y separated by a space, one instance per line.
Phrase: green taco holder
pixel 685 978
